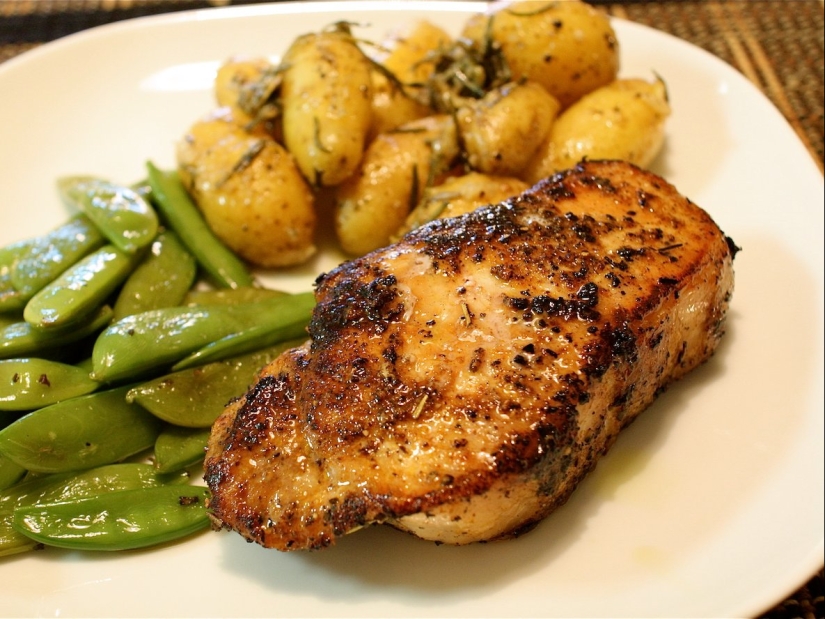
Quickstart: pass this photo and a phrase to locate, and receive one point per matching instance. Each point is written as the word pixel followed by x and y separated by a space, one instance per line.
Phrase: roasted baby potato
pixel 401 99
pixel 458 195
pixel 567 46
pixel 326 94
pixel 623 120
pixel 249 190
pixel 396 168
pixel 232 82
pixel 502 131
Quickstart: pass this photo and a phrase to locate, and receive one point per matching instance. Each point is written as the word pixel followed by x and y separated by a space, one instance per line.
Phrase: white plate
pixel 710 505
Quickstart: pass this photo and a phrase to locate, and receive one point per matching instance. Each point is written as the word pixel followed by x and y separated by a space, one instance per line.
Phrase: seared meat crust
pixel 460 383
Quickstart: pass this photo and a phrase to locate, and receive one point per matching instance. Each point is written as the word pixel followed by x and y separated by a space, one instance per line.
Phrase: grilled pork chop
pixel 460 383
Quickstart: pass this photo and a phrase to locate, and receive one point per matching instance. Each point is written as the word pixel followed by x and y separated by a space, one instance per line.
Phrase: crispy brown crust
pixel 479 366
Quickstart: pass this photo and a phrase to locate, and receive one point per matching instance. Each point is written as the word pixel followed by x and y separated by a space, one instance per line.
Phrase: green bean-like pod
pixel 43 259
pixel 71 486
pixel 121 214
pixel 161 280
pixel 31 383
pixel 80 433
pixel 176 448
pixel 20 339
pixel 80 290
pixel 195 397
pixel 153 341
pixel 10 472
pixel 182 215
pixel 288 323
pixel 231 296
pixel 118 520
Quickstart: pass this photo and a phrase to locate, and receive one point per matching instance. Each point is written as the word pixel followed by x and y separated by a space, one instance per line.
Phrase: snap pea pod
pixel 10 472
pixel 161 280
pixel 47 257
pixel 80 290
pixel 155 340
pixel 231 296
pixel 195 397
pixel 19 339
pixel 45 489
pixel 183 216
pixel 289 322
pixel 117 521
pixel 120 213
pixel 176 448
pixel 80 433
pixel 30 383
pixel 73 485
pixel 12 542
pixel 10 298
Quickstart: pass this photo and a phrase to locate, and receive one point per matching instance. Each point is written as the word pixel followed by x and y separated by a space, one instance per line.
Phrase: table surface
pixel 777 44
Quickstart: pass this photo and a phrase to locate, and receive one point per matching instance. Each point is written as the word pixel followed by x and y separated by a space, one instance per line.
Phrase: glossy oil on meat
pixel 460 383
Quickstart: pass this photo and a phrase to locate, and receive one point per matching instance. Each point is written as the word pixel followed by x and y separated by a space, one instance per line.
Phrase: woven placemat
pixel 777 44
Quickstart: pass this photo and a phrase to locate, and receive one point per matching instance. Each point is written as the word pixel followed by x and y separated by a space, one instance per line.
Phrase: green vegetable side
pixel 123 334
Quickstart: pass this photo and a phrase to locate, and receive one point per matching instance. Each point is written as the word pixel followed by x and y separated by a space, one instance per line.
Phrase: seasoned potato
pixel 406 59
pixel 397 166
pixel 246 86
pixel 567 46
pixel 623 120
pixel 326 95
pixel 249 190
pixel 502 132
pixel 458 195
pixel 232 78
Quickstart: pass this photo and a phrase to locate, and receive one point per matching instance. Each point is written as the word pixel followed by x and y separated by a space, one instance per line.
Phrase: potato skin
pixel 372 204
pixel 623 120
pixel 327 98
pixel 458 195
pixel 502 131
pixel 567 46
pixel 406 60
pixel 230 80
pixel 249 190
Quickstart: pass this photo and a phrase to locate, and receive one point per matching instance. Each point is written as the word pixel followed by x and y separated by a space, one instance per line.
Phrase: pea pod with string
pixel 80 290
pixel 176 448
pixel 46 257
pixel 230 296
pixel 84 432
pixel 19 339
pixel 183 216
pixel 195 397
pixel 10 472
pixel 62 487
pixel 288 323
pixel 121 214
pixel 31 383
pixel 117 521
pixel 155 340
pixel 73 485
pixel 10 298
pixel 161 280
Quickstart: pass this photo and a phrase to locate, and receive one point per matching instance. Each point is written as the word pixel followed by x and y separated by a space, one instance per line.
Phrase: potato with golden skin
pixel 246 85
pixel 373 203
pixel 623 120
pixel 502 131
pixel 232 78
pixel 458 195
pixel 567 46
pixel 249 190
pixel 395 104
pixel 326 96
